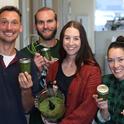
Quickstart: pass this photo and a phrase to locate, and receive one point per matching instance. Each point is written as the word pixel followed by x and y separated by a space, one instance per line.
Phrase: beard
pixel 48 37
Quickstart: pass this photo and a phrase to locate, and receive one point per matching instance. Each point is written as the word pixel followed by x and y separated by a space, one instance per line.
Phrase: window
pixel 109 13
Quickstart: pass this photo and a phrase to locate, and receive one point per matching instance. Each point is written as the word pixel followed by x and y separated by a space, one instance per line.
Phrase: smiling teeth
pixel 9 34
pixel 71 48
pixel 46 31
pixel 117 71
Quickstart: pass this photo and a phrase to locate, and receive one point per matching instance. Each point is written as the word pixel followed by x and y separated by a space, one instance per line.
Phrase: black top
pixel 63 81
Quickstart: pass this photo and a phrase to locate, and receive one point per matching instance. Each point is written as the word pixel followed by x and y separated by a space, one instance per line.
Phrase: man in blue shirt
pixel 15 87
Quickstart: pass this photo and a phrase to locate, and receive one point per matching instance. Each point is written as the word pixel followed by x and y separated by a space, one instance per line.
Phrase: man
pixel 15 88
pixel 46 25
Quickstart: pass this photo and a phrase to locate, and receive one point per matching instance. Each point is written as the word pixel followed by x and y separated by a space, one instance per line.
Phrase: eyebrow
pixel 72 36
pixel 45 20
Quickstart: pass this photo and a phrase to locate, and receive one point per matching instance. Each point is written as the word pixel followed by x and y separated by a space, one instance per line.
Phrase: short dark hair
pixel 44 9
pixel 120 38
pixel 11 8
pixel 116 44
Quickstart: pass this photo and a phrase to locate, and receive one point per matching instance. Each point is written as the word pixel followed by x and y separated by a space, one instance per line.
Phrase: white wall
pixel 9 2
pixel 77 8
pixel 102 41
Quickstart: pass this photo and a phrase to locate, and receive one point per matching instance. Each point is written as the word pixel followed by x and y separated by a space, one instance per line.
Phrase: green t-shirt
pixel 30 50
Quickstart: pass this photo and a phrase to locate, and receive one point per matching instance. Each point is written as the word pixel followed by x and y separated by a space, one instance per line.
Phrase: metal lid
pixel 45 49
pixel 24 60
pixel 102 88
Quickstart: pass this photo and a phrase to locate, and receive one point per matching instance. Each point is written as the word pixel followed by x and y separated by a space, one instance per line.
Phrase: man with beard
pixel 46 25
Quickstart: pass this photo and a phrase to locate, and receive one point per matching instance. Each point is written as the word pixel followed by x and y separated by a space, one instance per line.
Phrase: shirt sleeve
pixel 100 118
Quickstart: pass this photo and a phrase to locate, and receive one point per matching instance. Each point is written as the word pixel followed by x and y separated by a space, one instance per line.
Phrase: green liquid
pixel 52 114
pixel 25 65
pixel 104 96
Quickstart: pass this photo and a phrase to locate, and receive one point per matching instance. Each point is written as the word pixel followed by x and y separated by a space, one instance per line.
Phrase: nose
pixel 71 41
pixel 45 25
pixel 116 63
pixel 9 26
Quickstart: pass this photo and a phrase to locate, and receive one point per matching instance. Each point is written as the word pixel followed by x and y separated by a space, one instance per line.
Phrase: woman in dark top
pixel 111 111
pixel 77 75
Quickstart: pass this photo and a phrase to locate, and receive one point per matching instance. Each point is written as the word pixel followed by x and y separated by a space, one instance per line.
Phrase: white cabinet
pixel 102 41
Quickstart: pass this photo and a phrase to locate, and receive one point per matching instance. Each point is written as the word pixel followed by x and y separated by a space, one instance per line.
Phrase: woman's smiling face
pixel 116 62
pixel 71 41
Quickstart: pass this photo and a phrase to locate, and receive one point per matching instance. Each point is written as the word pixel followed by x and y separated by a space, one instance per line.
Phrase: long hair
pixel 84 54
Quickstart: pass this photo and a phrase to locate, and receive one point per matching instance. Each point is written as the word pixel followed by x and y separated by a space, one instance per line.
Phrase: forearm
pixel 105 114
pixel 27 99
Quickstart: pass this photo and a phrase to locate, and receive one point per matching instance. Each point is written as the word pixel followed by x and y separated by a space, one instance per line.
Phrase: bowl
pixel 51 106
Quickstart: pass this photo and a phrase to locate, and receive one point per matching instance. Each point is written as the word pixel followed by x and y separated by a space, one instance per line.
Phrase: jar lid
pixel 45 49
pixel 102 88
pixel 24 60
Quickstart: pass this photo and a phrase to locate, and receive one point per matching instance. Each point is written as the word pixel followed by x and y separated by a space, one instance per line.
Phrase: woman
pixel 111 110
pixel 77 75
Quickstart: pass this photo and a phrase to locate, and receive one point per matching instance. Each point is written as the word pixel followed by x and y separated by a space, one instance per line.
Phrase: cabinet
pixel 102 41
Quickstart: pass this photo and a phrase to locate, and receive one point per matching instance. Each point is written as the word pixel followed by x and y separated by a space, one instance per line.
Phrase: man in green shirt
pixel 46 25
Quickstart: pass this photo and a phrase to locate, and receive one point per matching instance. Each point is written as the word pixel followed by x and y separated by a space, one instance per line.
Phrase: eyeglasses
pixel 113 60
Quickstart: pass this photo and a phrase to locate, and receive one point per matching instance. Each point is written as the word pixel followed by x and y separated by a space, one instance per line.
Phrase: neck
pixel 69 67
pixel 69 60
pixel 7 49
pixel 48 43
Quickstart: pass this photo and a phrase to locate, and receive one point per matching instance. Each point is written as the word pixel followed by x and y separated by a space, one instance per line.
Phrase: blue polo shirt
pixel 11 109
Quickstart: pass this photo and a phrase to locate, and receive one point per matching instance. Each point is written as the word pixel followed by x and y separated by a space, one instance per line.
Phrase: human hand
pixel 25 80
pixel 46 121
pixel 102 104
pixel 39 61
pixel 122 112
pixel 48 62
pixel 52 84
pixel 26 83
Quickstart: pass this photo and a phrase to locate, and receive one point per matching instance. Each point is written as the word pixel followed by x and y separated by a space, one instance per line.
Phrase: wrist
pixel 101 118
pixel 105 114
pixel 26 90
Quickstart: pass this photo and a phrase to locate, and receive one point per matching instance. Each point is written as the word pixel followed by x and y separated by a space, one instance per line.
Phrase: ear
pixel 21 28
pixel 57 24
